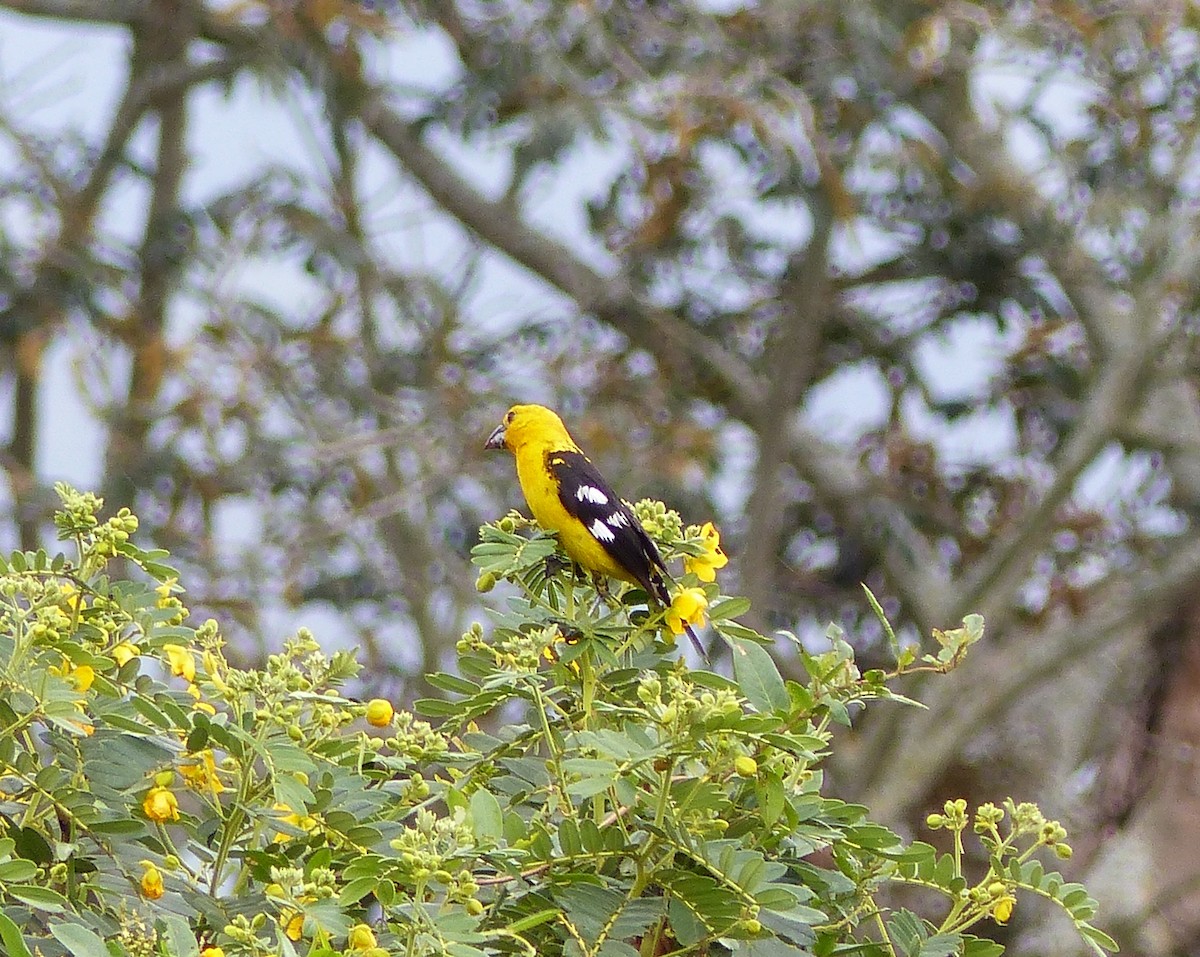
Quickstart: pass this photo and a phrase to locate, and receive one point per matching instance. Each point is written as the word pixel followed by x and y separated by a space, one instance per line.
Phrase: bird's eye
pixel 508 419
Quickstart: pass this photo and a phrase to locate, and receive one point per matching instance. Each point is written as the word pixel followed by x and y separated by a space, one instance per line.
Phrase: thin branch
pixel 115 12
pixel 1038 656
pixel 991 586
pixel 685 352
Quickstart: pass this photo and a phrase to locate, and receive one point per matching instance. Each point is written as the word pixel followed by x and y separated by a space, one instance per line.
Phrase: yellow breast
pixel 541 492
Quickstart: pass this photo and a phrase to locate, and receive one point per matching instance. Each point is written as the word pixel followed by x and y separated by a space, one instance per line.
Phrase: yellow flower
pixel 160 805
pixel 705 566
pixel 361 938
pixel 212 952
pixel 214 664
pixel 152 882
pixel 687 608
pixel 200 773
pixel 125 652
pixel 82 677
pixel 1003 908
pixel 379 713
pixel 182 661
pixel 164 592
pixel 71 599
pixel 305 822
pixel 293 924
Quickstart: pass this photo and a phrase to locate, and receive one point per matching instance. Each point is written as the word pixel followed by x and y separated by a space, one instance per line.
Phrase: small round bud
pixel 935 821
pixel 745 766
pixel 485 583
pixel 474 907
pixel 380 713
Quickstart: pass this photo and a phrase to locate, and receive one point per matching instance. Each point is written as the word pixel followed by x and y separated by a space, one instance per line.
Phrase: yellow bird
pixel 568 495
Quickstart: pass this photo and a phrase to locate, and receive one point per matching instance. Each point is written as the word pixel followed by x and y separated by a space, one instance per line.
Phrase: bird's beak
pixel 496 439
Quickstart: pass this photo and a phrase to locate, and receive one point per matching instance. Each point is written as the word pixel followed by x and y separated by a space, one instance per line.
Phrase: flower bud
pixel 380 713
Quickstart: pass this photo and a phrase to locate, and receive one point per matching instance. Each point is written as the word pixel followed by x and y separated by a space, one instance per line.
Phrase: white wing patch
pixel 589 493
pixel 618 520
pixel 601 531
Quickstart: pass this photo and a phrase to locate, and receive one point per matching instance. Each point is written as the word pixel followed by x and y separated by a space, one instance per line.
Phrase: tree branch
pixel 1032 659
pixel 684 351
pixel 115 12
pixel 159 53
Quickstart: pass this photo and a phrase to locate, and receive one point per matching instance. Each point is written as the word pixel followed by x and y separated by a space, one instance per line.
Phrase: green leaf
pixel 148 710
pixel 122 827
pixel 487 817
pixel 770 794
pixel 759 679
pixel 285 756
pixel 940 945
pixel 292 792
pixel 838 712
pixel 568 838
pixel 590 908
pixel 41 898
pixel 907 930
pixel 1099 940
pixel 79 941
pixel 452 683
pixel 979 947
pixel 356 890
pixel 31 845
pixel 873 837
pixel 728 608
pixel 17 870
pixel 10 936
pixel 181 942
pixel 893 641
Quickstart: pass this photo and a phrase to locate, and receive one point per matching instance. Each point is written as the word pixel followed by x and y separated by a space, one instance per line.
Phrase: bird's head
pixel 524 424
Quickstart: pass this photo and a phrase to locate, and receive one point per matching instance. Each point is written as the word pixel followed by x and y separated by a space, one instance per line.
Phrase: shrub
pixel 583 792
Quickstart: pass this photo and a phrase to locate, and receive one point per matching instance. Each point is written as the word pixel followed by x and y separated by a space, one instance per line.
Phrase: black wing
pixel 586 495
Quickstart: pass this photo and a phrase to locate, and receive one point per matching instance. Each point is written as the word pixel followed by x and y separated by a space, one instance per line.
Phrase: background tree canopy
pixel 902 293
